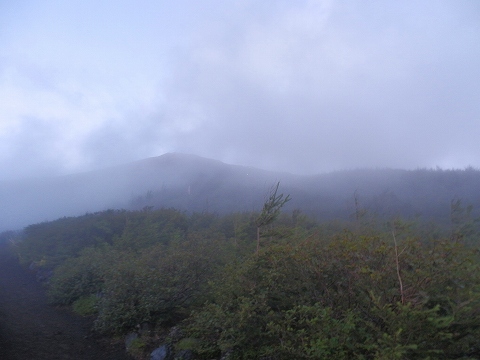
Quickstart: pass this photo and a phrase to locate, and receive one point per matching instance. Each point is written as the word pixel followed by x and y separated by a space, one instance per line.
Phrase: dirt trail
pixel 30 328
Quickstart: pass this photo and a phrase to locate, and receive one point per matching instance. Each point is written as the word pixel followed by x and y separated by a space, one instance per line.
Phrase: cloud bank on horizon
pixel 306 86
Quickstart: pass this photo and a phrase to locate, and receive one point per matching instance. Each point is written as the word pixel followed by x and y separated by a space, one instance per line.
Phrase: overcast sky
pixel 300 86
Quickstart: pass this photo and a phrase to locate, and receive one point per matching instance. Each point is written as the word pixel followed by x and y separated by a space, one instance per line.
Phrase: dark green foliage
pixel 86 305
pixel 272 207
pixel 53 242
pixel 271 210
pixel 160 285
pixel 313 332
pixel 150 227
pixel 341 299
pixel 363 290
pixel 155 271
pixel 80 276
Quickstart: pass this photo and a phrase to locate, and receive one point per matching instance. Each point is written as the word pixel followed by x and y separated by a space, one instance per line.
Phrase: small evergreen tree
pixel 271 210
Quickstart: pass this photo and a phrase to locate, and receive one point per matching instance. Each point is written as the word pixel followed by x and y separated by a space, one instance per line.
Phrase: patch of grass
pixel 137 347
pixel 86 305
pixel 187 344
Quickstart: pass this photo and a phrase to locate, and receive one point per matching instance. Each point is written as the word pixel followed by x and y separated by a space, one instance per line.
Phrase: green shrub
pixel 187 344
pixel 59 240
pixel 309 293
pixel 86 305
pixel 355 297
pixel 137 347
pixel 77 277
pixel 159 285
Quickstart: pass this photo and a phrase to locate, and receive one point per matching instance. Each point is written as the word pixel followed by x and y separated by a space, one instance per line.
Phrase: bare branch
pixel 397 261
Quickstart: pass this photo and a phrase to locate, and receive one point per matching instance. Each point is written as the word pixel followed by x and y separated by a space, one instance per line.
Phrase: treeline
pixel 387 193
pixel 364 289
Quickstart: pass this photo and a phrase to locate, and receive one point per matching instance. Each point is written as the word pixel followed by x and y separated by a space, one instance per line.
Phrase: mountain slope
pixel 188 180
pixel 193 183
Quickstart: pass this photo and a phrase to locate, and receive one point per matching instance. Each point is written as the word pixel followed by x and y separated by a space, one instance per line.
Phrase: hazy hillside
pixel 183 181
pixel 193 183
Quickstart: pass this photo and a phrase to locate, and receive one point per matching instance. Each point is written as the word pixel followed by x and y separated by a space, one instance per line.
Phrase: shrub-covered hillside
pixel 364 289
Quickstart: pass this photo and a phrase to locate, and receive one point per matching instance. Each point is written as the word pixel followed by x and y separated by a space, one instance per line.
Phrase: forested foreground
pixel 357 290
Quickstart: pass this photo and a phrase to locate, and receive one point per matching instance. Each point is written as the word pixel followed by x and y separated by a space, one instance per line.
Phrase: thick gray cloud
pixel 305 86
pixel 335 86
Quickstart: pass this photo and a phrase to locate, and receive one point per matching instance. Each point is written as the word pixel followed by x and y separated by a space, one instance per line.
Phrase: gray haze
pixel 299 86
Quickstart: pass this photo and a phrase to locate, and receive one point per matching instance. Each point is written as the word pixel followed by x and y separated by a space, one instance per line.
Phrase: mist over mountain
pixel 192 183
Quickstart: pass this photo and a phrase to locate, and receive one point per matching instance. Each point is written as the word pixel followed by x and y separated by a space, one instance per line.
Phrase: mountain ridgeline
pixel 197 184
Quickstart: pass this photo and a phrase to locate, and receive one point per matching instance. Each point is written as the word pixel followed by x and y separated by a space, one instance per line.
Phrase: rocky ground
pixel 30 328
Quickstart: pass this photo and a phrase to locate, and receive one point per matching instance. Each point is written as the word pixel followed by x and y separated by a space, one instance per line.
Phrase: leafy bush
pixel 86 305
pixel 160 285
pixel 376 291
pixel 344 299
pixel 137 347
pixel 79 276
pixel 59 240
